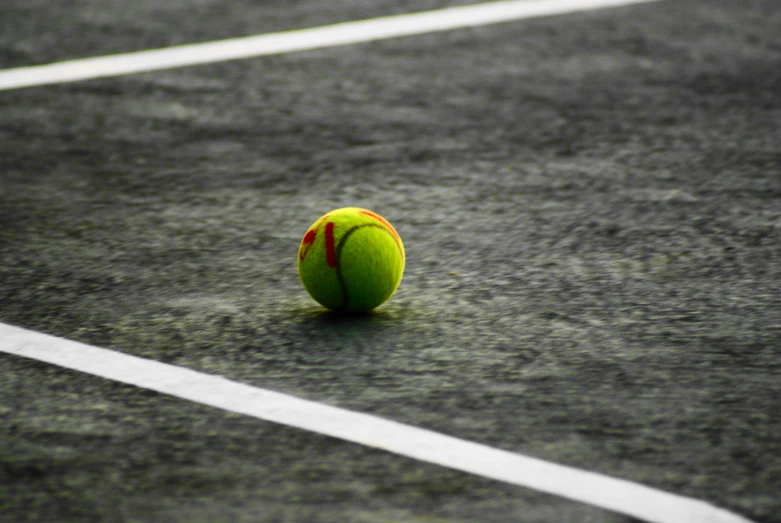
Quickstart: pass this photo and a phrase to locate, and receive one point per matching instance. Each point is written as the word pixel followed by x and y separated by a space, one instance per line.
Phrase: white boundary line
pixel 618 495
pixel 299 40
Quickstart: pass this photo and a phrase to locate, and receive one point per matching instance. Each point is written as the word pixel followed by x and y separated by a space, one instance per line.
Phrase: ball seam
pixel 339 247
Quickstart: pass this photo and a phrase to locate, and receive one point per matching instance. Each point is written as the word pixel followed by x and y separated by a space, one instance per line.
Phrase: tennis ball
pixel 351 260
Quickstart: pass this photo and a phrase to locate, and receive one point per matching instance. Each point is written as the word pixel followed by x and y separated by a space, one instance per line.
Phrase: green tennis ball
pixel 351 260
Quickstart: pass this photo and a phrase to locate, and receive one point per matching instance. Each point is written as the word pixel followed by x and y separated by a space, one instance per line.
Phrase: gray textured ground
pixel 591 208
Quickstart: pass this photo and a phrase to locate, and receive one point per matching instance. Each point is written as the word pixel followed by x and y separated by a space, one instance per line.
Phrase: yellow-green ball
pixel 351 260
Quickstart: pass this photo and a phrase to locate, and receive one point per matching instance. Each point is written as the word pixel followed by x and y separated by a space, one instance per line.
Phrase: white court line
pixel 299 40
pixel 622 496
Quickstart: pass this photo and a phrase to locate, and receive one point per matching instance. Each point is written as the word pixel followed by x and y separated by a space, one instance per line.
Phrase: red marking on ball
pixel 387 226
pixel 330 248
pixel 306 243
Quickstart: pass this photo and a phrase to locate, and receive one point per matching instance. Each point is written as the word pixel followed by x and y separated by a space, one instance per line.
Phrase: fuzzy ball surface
pixel 351 260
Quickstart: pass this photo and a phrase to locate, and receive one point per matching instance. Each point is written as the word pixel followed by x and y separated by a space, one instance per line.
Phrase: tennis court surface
pixel 590 203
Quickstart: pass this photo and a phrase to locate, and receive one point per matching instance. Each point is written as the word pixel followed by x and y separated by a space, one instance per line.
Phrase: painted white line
pixel 622 496
pixel 299 40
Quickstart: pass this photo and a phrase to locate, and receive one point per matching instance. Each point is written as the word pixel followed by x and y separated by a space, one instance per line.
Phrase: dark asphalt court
pixel 591 209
